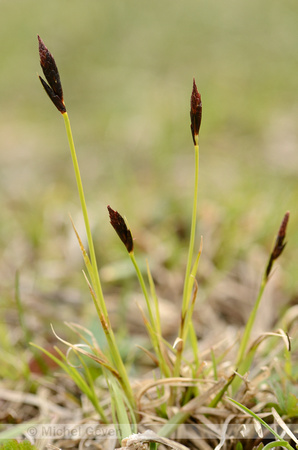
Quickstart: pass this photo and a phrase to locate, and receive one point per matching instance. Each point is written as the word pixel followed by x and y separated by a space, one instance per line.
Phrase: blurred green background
pixel 127 67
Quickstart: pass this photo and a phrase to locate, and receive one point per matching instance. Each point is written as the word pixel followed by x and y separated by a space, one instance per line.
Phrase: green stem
pixel 95 278
pixel 250 323
pixel 154 327
pixel 144 289
pixel 186 295
pixel 187 284
pixel 98 298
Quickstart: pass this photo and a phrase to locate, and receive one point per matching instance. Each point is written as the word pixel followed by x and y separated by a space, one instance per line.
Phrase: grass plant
pixel 193 382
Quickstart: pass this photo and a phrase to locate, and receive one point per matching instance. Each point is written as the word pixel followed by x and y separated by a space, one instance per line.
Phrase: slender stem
pixel 155 330
pixel 250 323
pixel 144 289
pixel 187 283
pixel 186 294
pixel 96 280
pixel 98 298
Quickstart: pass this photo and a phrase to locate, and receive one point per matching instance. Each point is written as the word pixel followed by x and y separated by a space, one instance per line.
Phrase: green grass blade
pixel 261 421
pixel 118 404
pixel 279 444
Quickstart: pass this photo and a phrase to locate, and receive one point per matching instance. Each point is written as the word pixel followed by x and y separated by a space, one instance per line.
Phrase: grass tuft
pixel 214 389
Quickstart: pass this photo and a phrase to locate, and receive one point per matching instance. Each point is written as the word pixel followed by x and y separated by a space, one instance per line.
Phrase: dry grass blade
pixel 102 361
pixel 279 333
pixel 75 327
pixel 177 382
pixel 284 426
pixel 131 442
pixel 223 436
pixel 149 354
pixel 83 250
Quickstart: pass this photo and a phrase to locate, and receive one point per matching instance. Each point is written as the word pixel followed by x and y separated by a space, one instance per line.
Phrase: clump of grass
pixel 188 389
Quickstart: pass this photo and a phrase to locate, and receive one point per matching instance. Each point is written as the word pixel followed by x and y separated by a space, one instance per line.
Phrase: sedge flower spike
pixel 119 225
pixel 195 113
pixel 53 86
pixel 279 244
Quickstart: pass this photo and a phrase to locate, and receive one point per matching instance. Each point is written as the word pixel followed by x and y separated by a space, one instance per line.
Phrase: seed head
pixel 279 244
pixel 119 225
pixel 195 113
pixel 53 88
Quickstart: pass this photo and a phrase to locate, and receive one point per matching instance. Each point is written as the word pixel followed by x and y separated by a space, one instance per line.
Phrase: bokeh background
pixel 127 68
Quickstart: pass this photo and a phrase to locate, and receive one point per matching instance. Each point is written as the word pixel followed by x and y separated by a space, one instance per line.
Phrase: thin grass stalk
pixel 95 278
pixel 262 422
pixel 188 314
pixel 120 226
pixel 144 289
pixel 214 402
pixel 95 400
pixel 187 282
pixel 114 351
pixel 125 425
pixel 277 250
pixel 250 323
pixel 123 422
pixel 194 344
pixel 84 252
pixel 243 361
pixel 157 343
pixel 186 293
pixel 72 372
pixel 154 327
pixel 98 298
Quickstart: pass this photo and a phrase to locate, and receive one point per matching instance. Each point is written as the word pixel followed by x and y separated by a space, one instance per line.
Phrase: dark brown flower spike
pixel 53 88
pixel 279 243
pixel 195 113
pixel 119 225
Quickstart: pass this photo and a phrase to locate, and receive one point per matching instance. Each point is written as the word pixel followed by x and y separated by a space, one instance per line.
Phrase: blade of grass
pixel 95 401
pixel 276 444
pixel 71 371
pixel 261 421
pixel 220 394
pixel 118 405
